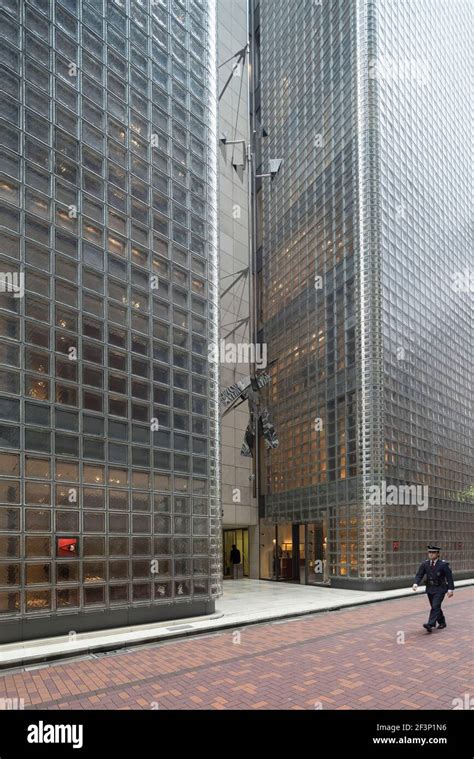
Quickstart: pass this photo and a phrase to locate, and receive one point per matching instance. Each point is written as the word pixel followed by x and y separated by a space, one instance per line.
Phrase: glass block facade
pixel 424 160
pixel 361 234
pixel 109 462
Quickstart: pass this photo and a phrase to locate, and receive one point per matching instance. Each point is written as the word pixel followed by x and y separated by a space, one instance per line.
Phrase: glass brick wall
pixel 109 463
pixel 362 234
pixel 309 267
pixel 425 211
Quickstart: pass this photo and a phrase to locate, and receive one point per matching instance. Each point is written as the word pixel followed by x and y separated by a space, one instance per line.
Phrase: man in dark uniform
pixel 439 580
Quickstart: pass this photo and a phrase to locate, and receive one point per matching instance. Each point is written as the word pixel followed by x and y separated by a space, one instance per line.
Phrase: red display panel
pixel 67 546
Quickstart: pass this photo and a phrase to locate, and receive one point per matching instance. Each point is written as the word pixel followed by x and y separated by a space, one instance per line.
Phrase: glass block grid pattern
pixel 425 209
pixel 370 385
pixel 108 404
pixel 309 268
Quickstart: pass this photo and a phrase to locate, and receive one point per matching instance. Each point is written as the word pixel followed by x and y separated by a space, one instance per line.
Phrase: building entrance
pixel 241 539
pixel 292 552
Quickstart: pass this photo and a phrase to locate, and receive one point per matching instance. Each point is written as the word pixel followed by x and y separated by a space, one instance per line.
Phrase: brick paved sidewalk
pixel 348 659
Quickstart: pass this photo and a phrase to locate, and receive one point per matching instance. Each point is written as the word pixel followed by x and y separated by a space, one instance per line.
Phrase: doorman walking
pixel 439 580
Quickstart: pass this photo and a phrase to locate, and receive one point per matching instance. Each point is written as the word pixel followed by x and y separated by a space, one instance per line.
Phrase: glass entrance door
pixel 241 539
pixel 301 530
pixel 316 549
pixel 285 553
pixel 294 552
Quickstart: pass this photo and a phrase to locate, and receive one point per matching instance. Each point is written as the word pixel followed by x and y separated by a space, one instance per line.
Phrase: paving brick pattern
pixel 347 659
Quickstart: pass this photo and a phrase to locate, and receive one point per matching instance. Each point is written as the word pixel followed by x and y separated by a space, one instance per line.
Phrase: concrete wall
pixel 234 256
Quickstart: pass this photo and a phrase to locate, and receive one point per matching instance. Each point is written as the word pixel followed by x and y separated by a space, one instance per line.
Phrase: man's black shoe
pixel 428 628
pixel 441 627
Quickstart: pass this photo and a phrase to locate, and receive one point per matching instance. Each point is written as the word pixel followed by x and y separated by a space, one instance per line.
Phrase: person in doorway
pixel 235 555
pixel 237 569
pixel 439 581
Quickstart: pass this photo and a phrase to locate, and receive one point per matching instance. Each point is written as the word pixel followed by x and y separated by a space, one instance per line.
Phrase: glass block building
pixel 362 235
pixel 109 458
